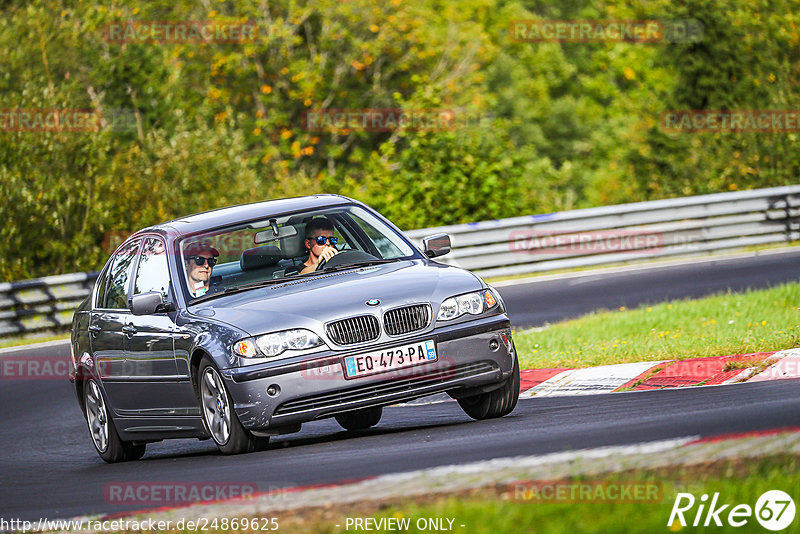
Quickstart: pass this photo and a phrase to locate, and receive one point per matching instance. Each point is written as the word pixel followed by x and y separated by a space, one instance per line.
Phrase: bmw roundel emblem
pixel 373 302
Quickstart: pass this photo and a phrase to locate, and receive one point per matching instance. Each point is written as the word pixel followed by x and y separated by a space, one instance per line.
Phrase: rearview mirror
pixel 149 303
pixel 270 235
pixel 436 245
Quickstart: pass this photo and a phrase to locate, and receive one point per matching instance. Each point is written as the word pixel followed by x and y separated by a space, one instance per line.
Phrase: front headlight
pixel 473 303
pixel 270 345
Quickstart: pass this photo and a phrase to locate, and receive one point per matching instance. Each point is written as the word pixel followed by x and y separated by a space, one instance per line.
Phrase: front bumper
pixel 476 354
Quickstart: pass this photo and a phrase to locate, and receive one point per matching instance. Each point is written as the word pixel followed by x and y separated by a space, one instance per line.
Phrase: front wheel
pixel 105 437
pixel 220 418
pixel 496 403
pixel 360 419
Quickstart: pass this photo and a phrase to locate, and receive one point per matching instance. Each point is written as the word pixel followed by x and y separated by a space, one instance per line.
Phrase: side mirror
pixel 149 303
pixel 436 245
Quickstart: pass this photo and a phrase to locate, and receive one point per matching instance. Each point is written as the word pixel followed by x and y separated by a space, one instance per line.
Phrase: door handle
pixel 94 330
pixel 129 330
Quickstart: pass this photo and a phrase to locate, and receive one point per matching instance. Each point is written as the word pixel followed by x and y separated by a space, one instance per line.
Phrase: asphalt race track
pixel 50 469
pixel 536 303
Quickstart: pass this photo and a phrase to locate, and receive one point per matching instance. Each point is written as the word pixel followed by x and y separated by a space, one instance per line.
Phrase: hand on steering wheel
pixel 327 254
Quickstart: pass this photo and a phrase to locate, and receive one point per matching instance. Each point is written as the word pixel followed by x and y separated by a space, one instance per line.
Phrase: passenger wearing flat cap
pixel 200 259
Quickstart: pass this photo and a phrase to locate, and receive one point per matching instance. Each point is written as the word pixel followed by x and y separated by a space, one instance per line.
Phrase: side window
pixel 386 248
pixel 102 283
pixel 153 271
pixel 121 270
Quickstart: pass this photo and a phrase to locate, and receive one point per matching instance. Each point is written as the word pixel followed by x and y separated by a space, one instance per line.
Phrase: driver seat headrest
pixel 293 246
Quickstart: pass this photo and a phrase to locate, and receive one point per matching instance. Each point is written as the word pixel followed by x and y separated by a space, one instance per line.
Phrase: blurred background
pixel 544 126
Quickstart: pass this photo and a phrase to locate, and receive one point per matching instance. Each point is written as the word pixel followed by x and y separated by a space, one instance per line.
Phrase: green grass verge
pixel 497 511
pixel 30 340
pixel 754 321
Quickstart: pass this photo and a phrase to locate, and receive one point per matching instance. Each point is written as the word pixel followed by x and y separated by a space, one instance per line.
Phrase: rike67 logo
pixel 774 510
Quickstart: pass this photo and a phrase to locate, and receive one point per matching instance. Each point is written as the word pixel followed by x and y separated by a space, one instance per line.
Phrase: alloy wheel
pixel 97 416
pixel 216 410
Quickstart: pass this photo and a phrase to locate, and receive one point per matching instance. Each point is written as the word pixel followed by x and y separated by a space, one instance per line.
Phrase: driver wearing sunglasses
pixel 320 243
pixel 199 260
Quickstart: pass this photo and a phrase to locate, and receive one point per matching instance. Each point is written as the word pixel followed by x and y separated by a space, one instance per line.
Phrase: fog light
pixel 494 345
pixel 274 390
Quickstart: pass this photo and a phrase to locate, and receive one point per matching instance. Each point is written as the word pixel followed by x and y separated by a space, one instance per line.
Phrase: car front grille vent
pixel 407 319
pixel 354 330
pixel 424 382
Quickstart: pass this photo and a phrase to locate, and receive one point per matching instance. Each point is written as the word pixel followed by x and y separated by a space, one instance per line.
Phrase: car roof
pixel 244 212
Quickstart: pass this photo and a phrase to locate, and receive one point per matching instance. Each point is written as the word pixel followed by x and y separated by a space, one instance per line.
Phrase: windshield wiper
pixel 255 285
pixel 356 265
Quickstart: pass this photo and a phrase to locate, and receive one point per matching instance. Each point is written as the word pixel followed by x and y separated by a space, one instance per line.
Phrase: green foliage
pixel 542 126
pixel 748 59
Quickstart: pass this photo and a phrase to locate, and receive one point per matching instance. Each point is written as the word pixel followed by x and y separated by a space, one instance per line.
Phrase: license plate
pixel 380 361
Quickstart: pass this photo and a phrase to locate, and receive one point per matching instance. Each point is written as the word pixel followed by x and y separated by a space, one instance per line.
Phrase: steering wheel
pixel 321 265
pixel 344 257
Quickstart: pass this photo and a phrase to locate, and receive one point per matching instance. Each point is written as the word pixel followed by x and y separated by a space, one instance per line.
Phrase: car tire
pixel 360 419
pixel 102 430
pixel 496 403
pixel 219 417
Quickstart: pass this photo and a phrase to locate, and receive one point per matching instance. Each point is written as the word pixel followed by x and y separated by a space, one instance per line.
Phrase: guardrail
pixel 42 303
pixel 596 236
pixel 623 233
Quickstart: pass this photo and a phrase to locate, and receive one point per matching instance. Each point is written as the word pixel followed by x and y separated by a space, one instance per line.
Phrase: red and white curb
pixel 787 366
pixel 640 376
pixel 588 381
pixel 661 374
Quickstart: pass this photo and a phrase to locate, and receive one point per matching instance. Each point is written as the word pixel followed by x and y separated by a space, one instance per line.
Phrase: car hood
pixel 313 301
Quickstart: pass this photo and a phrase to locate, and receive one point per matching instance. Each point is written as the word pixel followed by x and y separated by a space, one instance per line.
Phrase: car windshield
pixel 276 249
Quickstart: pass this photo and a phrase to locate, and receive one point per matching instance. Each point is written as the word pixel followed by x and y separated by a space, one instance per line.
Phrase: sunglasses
pixel 201 260
pixel 320 239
